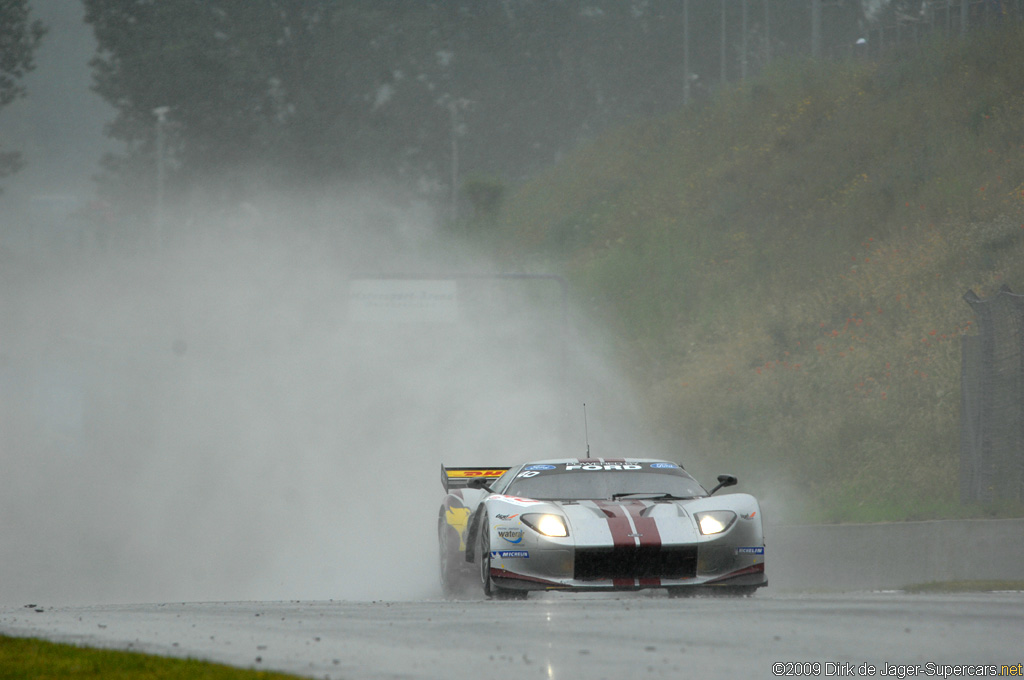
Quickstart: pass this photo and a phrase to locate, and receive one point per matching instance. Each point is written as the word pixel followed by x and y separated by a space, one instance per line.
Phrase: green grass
pixel 782 268
pixel 964 586
pixel 30 659
pixel 852 508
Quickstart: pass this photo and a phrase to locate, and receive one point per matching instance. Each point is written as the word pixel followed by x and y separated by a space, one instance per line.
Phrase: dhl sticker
pixel 456 474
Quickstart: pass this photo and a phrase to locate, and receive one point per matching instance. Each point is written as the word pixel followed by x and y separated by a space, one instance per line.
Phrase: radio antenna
pixel 586 431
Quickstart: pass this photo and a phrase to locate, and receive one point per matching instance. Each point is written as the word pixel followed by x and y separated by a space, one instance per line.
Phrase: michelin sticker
pixel 750 551
pixel 503 554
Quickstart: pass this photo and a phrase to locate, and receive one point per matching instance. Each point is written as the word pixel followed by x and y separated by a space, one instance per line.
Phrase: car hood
pixel 628 522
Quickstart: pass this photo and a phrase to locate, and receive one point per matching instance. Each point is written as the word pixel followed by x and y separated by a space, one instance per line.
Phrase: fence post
pixel 992 401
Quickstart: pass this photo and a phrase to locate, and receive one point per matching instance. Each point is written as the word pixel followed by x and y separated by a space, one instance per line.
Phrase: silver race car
pixel 596 524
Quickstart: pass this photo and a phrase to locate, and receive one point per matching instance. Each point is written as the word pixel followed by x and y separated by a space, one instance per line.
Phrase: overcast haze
pixel 59 125
pixel 191 410
pixel 198 417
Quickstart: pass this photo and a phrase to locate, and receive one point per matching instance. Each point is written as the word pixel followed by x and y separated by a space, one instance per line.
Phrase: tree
pixel 19 38
pixel 184 55
pixel 300 92
pixel 265 91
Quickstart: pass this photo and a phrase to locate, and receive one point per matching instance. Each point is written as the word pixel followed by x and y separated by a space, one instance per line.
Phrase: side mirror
pixel 724 480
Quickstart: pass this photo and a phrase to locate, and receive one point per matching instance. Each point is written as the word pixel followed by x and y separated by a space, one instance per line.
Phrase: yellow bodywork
pixel 458 518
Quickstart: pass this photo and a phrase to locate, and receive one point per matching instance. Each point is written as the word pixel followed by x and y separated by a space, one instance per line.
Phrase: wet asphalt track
pixel 561 636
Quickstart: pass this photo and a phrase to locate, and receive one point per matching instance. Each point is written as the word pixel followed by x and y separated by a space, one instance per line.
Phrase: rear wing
pixel 460 477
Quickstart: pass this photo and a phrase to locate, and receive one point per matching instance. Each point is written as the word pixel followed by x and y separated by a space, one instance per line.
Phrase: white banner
pixel 404 300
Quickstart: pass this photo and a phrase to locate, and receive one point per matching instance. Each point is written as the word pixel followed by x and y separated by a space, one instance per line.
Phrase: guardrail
pixel 893 555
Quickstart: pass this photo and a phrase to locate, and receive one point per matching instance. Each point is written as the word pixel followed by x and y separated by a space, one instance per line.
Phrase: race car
pixel 602 524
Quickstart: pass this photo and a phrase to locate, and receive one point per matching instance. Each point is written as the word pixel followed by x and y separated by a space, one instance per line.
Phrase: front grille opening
pixel 643 562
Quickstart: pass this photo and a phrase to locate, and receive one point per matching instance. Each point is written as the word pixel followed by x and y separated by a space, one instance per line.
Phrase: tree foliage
pixel 19 38
pixel 299 91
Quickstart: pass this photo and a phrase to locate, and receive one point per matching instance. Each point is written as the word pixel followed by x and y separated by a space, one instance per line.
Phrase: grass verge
pixel 965 586
pixel 32 659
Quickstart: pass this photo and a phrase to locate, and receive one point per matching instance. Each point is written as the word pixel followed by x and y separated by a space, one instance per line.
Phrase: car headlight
pixel 546 524
pixel 715 522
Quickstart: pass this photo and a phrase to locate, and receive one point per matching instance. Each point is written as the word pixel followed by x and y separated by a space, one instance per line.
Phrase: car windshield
pixel 605 484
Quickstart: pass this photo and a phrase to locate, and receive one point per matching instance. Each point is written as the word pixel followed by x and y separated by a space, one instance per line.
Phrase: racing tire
pixel 685 591
pixel 451 559
pixel 734 591
pixel 491 590
pixel 713 591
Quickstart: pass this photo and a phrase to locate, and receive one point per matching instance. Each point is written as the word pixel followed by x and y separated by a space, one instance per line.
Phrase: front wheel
pixel 712 591
pixel 491 590
pixel 735 591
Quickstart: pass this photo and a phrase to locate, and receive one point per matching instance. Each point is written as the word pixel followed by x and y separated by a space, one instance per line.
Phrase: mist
pixel 196 411
pixel 203 417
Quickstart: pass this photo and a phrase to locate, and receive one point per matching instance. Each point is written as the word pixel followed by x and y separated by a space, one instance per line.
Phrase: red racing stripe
pixel 754 569
pixel 618 524
pixel 650 537
pixel 503 573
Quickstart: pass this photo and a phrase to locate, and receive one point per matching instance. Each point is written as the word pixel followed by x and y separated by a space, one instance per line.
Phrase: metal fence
pixel 752 34
pixel 899 24
pixel 992 401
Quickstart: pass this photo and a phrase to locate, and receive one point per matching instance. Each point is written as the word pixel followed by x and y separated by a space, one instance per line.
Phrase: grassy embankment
pixel 783 268
pixel 28 659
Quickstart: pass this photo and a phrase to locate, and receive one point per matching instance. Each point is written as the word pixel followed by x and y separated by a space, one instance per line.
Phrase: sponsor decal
pixel 510 534
pixel 505 554
pixel 470 473
pixel 658 466
pixel 506 518
pixel 539 467
pixel 750 516
pixel 757 550
pixel 606 466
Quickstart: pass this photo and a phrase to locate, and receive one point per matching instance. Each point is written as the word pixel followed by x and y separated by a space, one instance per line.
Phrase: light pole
pixel 455 104
pixel 743 43
pixel 158 217
pixel 815 28
pixel 686 52
pixel 453 107
pixel 723 77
